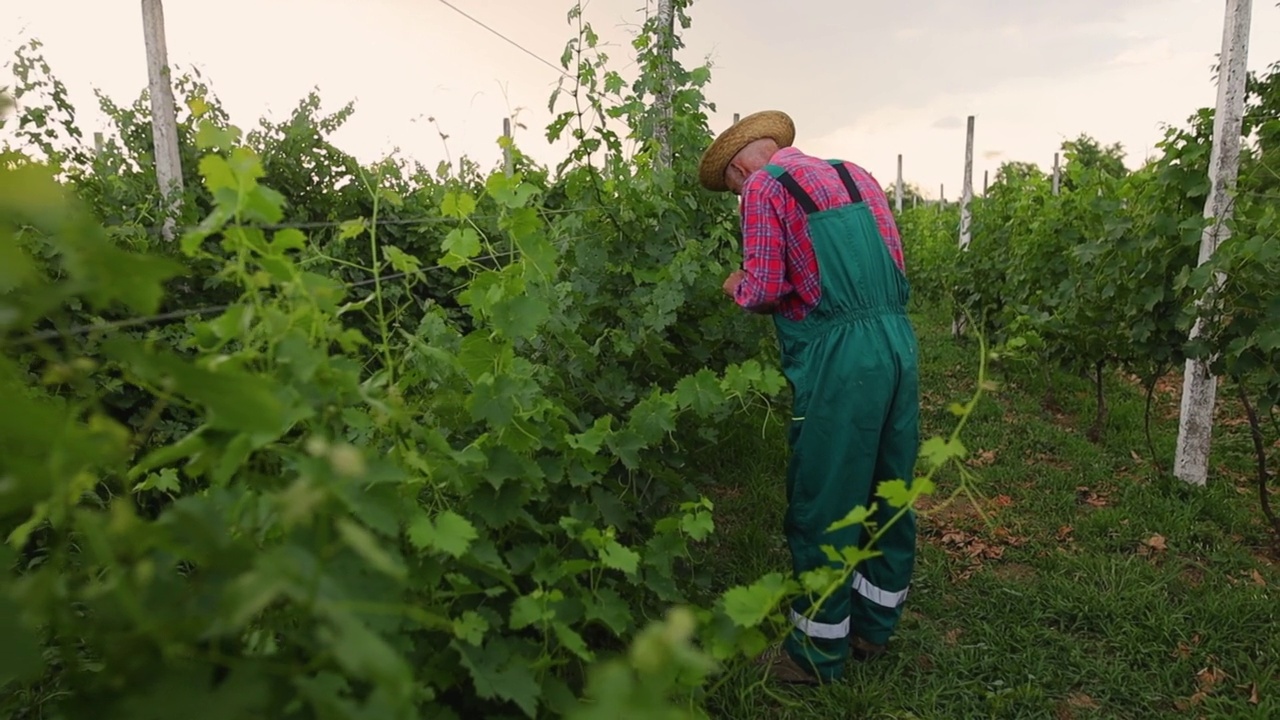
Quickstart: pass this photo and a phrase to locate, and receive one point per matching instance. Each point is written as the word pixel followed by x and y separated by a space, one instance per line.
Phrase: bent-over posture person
pixel 822 255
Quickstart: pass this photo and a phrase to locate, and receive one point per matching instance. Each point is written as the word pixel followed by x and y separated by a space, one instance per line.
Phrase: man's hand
pixel 731 283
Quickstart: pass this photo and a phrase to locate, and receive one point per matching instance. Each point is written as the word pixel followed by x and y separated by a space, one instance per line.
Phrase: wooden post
pixel 506 148
pixel 966 192
pixel 1057 174
pixel 966 212
pixel 666 41
pixel 897 195
pixel 99 144
pixel 735 118
pixel 1199 386
pixel 985 177
pixel 164 114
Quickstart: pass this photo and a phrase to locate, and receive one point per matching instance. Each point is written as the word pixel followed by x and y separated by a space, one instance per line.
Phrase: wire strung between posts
pixel 205 310
pixel 515 44
pixel 604 102
pixel 338 224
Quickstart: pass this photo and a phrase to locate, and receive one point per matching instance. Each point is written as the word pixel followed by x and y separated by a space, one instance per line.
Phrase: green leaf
pixel 400 260
pixel 653 418
pixel 856 516
pixel 235 401
pixel 521 223
pixel 937 451
pixel 211 137
pixel 608 607
pixel 493 401
pixel 367 547
pixel 509 190
pixel 111 274
pixel 16 268
pixel 539 257
pixel 217 174
pixel 470 628
pixel 364 654
pixel 614 555
pixel 460 245
pixel 571 640
pixel 700 392
pixel 164 481
pixel 895 492
pixel 627 444
pixel 479 355
pixel 288 239
pixel 20 658
pixel 496 673
pixel 699 525
pixel 352 229
pixel 529 610
pixel 592 440
pixel 449 533
pixel 519 316
pixel 749 606
pixel 457 205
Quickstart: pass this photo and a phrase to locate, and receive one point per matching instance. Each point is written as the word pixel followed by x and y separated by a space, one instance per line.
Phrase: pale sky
pixel 864 81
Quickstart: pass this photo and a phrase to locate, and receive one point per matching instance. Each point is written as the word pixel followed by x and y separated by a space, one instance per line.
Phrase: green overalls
pixel 852 365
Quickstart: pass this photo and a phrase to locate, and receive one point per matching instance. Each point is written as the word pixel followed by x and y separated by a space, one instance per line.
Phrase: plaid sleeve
pixel 763 246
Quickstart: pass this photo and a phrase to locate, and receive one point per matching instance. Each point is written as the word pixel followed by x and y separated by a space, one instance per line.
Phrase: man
pixel 822 255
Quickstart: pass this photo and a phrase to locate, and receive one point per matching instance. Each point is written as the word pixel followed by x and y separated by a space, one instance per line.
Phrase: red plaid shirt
pixel 778 259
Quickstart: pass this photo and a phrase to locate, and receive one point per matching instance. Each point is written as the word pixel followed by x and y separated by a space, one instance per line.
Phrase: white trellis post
pixel 897 195
pixel 1057 174
pixel 1199 388
pixel 966 213
pixel 506 146
pixel 666 42
pixel 966 193
pixel 164 114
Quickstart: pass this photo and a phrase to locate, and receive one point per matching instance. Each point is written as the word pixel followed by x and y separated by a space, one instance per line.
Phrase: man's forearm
pixel 752 296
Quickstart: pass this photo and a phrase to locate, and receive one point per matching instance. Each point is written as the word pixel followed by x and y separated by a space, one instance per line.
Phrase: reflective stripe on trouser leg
pixel 880 586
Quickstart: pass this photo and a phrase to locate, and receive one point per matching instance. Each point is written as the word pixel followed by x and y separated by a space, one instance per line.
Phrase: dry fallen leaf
pixel 1182 651
pixel 1087 496
pixel 1185 705
pixel 1208 678
pixel 1253 695
pixel 1156 542
pixel 953 636
pixel 1257 578
pixel 983 459
pixel 1082 701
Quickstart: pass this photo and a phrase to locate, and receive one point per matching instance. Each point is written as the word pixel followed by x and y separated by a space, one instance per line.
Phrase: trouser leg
pixel 833 462
pixel 880 585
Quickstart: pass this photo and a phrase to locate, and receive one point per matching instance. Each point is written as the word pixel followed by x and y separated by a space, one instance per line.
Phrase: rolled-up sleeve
pixel 763 246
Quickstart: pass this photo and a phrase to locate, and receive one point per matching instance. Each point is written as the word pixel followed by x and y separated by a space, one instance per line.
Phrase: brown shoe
pixel 779 663
pixel 863 651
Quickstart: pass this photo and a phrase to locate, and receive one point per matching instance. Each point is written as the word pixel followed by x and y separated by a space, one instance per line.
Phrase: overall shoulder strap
pixel 855 196
pixel 793 188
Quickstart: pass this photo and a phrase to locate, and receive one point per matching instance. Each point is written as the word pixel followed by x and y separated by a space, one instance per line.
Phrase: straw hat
pixel 772 124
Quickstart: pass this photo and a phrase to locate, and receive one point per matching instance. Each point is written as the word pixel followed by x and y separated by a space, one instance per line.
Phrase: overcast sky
pixel 864 81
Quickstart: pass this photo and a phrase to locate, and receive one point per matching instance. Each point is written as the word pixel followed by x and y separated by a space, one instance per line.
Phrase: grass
pixel 1093 588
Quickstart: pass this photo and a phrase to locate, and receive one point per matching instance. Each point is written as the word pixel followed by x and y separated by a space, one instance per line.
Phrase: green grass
pixel 1094 588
